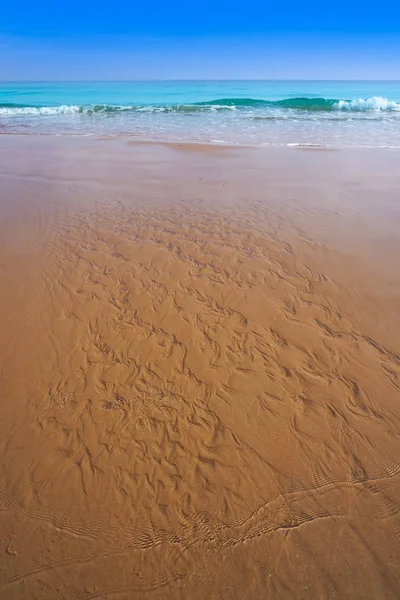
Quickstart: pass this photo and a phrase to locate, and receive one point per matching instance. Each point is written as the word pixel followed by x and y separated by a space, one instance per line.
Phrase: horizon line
pixel 202 79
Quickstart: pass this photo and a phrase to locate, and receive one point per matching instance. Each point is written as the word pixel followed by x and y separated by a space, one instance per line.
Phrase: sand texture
pixel 200 374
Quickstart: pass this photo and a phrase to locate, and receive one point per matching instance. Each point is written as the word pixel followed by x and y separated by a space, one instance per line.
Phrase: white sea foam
pixel 41 110
pixel 376 103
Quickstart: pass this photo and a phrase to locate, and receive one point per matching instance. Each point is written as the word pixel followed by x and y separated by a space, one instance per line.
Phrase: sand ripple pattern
pixel 196 390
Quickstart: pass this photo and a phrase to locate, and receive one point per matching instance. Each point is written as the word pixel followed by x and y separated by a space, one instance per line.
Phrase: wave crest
pixel 304 104
pixel 375 103
pixel 15 109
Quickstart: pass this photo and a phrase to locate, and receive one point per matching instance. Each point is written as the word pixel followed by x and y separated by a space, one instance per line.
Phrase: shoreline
pixel 189 142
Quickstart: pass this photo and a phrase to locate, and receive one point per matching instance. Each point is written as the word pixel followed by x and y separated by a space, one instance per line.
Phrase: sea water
pixel 271 113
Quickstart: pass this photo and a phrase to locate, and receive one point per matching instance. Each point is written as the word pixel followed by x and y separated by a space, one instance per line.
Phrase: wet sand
pixel 200 372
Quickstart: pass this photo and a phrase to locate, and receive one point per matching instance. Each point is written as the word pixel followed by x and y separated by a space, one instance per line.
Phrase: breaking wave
pixel 20 109
pixel 373 104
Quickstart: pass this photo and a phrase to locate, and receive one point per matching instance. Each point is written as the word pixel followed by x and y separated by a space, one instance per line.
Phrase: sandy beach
pixel 200 371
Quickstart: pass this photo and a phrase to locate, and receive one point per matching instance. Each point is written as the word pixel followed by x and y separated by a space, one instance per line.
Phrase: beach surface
pixel 200 371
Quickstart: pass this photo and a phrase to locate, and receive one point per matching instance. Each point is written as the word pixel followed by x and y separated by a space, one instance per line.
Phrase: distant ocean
pixel 271 113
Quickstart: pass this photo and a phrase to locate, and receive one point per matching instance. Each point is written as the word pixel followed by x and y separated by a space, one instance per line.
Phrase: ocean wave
pixel 373 104
pixel 15 109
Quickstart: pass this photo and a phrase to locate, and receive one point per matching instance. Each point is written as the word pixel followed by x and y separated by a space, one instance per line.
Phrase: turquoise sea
pixel 276 113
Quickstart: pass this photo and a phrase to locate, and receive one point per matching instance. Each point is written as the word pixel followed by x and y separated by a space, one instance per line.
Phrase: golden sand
pixel 200 372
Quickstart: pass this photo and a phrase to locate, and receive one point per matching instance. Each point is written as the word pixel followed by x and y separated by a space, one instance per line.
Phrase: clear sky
pixel 208 39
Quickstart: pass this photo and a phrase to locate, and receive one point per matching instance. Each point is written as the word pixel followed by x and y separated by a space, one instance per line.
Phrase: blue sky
pixel 207 39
